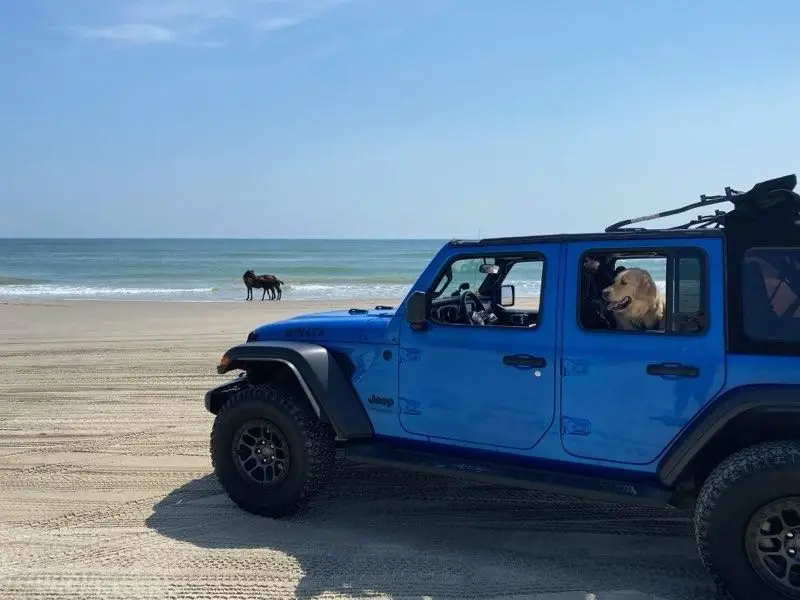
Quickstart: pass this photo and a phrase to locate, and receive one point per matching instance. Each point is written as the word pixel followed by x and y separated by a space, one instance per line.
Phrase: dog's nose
pixel 605 294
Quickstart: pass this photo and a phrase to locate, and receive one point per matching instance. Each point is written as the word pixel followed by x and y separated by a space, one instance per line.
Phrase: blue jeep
pixel 467 378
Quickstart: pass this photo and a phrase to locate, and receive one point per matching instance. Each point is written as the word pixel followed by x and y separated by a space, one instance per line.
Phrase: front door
pixel 490 384
pixel 626 394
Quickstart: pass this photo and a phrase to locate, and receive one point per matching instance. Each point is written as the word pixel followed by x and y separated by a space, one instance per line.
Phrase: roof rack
pixel 753 203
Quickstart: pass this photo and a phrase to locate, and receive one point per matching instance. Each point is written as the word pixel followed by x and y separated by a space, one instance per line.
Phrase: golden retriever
pixel 634 300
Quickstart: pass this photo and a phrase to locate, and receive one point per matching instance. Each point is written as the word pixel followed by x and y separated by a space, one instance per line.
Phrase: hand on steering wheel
pixel 462 309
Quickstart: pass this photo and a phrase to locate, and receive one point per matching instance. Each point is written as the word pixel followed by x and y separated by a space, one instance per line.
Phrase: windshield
pixel 463 272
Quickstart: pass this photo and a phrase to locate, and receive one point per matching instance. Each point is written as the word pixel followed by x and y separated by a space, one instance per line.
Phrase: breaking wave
pixel 68 291
pixel 229 291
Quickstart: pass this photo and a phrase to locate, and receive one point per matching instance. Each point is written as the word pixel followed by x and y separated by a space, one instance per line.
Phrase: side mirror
pixel 507 295
pixel 416 310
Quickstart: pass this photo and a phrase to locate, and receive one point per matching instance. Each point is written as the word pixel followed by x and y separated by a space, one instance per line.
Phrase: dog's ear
pixel 645 286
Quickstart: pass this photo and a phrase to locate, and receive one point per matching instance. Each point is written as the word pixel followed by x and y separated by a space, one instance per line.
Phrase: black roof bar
pixel 761 196
pixel 704 201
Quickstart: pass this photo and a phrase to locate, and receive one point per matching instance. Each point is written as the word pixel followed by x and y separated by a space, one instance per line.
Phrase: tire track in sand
pixel 105 493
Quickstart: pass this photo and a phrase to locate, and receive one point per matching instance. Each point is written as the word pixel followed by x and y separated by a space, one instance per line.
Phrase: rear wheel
pixel 747 523
pixel 269 451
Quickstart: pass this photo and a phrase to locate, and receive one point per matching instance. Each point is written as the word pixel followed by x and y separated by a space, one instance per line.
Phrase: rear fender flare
pixel 755 399
pixel 329 392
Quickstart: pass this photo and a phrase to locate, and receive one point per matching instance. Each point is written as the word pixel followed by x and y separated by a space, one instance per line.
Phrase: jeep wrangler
pixel 701 412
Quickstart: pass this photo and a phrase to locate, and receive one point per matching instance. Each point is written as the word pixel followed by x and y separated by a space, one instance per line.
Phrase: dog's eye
pixel 623 282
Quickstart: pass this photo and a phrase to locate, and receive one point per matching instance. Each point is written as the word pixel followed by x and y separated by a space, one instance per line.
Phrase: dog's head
pixel 631 288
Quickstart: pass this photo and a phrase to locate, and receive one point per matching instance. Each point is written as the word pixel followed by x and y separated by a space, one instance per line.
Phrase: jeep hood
pixel 353 325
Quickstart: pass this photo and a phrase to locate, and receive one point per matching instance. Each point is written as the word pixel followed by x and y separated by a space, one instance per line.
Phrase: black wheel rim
pixel 261 453
pixel 772 541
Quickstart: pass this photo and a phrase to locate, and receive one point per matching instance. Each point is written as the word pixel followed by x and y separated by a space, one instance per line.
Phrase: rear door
pixel 626 394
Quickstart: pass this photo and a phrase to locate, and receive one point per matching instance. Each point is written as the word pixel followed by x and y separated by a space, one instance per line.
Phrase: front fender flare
pixel 329 392
pixel 721 411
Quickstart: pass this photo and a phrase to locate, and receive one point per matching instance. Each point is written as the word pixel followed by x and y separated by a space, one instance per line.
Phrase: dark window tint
pixel 689 304
pixel 688 286
pixel 771 294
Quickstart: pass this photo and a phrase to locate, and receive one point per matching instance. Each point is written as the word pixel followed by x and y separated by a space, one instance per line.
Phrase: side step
pixel 624 491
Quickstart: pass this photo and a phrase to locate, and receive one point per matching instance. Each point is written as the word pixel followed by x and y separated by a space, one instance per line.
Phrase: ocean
pixel 208 269
pixel 211 269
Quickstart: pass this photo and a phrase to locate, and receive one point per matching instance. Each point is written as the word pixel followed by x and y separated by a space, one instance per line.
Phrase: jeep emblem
pixel 375 399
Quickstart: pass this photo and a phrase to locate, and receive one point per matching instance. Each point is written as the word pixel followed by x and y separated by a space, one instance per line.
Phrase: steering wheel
pixel 462 309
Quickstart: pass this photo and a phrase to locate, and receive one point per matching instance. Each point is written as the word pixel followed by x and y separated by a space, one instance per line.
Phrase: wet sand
pixel 106 489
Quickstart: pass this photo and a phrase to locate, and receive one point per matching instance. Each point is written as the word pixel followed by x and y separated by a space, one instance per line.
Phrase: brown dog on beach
pixel 634 300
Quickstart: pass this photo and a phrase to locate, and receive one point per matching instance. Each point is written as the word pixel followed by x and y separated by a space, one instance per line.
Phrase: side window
pixel 526 277
pixel 505 291
pixel 643 291
pixel 771 294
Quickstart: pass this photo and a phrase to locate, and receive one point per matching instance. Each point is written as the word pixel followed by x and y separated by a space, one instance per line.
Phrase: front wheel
pixel 747 523
pixel 269 451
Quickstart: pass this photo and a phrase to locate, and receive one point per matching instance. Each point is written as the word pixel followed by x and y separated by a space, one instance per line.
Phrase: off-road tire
pixel 311 447
pixel 738 487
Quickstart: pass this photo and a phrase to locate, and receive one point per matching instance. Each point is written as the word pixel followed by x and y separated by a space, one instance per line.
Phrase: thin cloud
pixel 128 33
pixel 143 22
pixel 278 23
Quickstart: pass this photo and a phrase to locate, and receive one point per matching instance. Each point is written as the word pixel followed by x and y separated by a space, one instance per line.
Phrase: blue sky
pixel 384 118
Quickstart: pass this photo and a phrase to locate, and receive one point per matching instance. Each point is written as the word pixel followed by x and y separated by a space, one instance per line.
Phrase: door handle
pixel 524 361
pixel 672 368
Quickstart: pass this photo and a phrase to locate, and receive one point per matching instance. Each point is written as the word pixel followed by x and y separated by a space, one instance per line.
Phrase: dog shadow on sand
pixel 383 531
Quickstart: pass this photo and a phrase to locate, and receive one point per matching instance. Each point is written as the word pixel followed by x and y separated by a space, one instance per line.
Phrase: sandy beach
pixel 106 489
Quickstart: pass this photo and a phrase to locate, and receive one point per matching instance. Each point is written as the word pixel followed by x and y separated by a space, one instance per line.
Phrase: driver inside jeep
pixel 475 291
